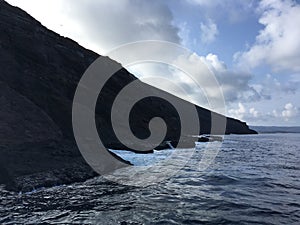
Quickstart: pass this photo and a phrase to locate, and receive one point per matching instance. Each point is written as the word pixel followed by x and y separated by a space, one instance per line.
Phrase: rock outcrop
pixel 40 71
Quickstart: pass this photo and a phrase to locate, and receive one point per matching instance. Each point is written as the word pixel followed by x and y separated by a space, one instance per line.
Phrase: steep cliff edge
pixel 40 71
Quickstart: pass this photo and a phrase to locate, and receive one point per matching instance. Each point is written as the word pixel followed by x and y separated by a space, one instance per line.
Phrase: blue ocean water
pixel 255 179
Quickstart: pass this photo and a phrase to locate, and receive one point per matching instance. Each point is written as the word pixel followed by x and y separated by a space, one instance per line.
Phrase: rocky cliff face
pixel 40 71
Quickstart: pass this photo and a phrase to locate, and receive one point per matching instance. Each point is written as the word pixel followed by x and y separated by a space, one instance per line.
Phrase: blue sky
pixel 253 47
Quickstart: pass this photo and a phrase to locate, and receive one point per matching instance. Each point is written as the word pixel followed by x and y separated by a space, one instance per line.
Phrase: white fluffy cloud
pixel 209 31
pixel 289 111
pixel 245 112
pixel 254 112
pixel 278 43
pixel 241 112
pixel 238 113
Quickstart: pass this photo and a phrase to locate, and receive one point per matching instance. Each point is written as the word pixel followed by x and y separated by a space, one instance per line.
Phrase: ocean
pixel 254 179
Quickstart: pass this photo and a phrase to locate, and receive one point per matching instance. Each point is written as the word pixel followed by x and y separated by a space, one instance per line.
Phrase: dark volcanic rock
pixel 40 71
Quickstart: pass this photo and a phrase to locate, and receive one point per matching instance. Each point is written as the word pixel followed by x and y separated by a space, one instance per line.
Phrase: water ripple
pixel 254 180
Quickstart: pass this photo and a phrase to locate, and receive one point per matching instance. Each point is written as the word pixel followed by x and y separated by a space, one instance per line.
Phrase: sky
pixel 251 47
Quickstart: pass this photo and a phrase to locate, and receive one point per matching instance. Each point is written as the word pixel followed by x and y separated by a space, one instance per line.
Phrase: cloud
pixel 235 84
pixel 202 86
pixel 289 111
pixel 111 23
pixel 278 43
pixel 286 114
pixel 238 113
pixel 252 115
pixel 103 25
pixel 243 114
pixel 270 86
pixel 254 112
pixel 209 31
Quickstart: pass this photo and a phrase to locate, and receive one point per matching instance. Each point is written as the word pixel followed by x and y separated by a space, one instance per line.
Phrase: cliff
pixel 40 71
